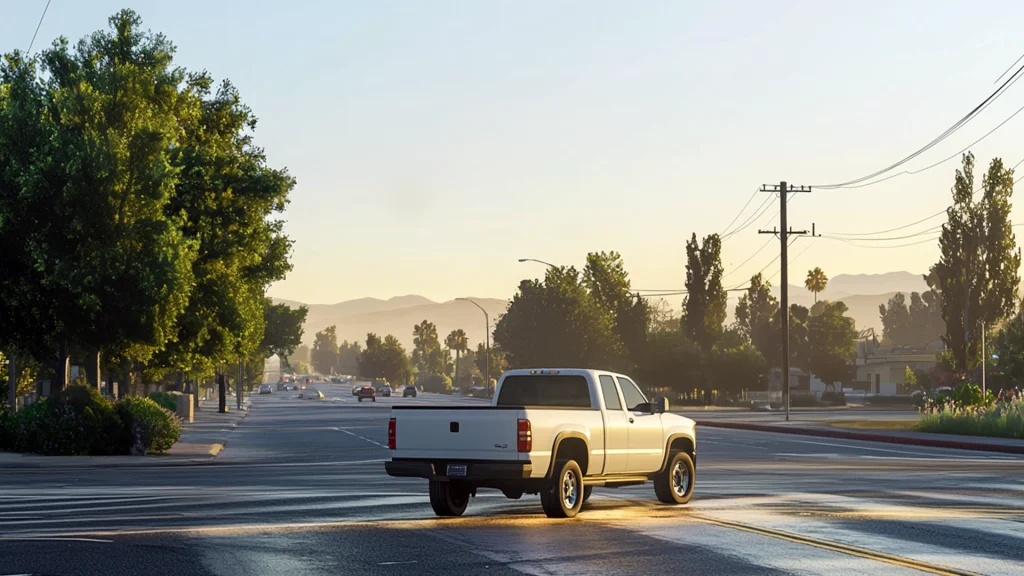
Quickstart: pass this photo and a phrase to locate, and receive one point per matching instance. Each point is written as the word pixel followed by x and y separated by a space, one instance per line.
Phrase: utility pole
pixel 984 359
pixel 784 232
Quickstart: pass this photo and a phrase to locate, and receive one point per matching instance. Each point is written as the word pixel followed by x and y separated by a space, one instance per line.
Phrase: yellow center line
pixel 837 547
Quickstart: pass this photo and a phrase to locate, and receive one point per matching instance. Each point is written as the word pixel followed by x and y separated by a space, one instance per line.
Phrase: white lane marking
pixel 52 539
pixel 835 445
pixel 360 437
pixel 397 562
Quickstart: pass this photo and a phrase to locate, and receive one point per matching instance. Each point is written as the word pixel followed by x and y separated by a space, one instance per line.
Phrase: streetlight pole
pixel 548 264
pixel 487 348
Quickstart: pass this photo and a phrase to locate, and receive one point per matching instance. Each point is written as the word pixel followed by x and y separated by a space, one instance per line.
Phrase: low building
pixel 883 368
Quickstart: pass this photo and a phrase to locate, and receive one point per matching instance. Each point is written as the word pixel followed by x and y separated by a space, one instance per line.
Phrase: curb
pixel 850 435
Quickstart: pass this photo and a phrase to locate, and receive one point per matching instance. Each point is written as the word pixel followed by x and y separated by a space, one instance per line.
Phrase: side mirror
pixel 661 405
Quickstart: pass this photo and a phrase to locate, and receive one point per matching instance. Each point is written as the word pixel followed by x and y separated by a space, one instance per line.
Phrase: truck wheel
pixel 360 398
pixel 448 498
pixel 564 497
pixel 674 484
pixel 587 491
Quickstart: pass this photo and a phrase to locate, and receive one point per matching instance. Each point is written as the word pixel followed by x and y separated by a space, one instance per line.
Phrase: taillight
pixel 525 443
pixel 392 426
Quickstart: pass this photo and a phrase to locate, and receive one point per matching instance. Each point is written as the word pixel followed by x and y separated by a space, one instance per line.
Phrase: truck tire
pixel 564 496
pixel 448 498
pixel 360 398
pixel 674 484
pixel 587 491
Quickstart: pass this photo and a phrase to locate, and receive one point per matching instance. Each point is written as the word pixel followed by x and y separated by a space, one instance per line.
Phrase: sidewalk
pixel 908 437
pixel 201 440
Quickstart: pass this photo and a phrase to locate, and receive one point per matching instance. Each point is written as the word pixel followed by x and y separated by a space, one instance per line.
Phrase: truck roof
pixel 592 372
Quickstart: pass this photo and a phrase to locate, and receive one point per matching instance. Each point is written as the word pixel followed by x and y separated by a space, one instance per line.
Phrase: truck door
pixel 616 428
pixel 646 439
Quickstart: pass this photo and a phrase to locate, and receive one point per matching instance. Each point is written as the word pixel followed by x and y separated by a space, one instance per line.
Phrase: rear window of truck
pixel 545 390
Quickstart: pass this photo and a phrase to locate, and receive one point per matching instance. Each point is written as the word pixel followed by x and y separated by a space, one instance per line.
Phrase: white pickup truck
pixel 557 433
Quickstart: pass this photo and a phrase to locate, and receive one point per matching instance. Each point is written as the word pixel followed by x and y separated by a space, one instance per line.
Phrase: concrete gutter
pixel 1008 445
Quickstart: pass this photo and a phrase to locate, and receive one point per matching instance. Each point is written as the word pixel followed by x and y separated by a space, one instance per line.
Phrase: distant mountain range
pixel 397 316
pixel 862 293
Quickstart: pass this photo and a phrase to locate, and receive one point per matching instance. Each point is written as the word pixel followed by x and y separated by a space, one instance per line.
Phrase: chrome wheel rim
pixel 680 479
pixel 570 489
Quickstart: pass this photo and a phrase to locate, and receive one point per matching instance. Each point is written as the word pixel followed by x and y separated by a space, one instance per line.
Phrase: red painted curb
pixel 850 435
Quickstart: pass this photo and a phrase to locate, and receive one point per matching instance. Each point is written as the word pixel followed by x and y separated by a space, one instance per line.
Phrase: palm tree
pixel 457 341
pixel 816 282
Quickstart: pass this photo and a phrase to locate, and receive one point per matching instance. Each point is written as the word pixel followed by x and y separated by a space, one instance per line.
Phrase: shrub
pixel 149 427
pixel 76 421
pixel 166 400
pixel 837 398
pixel 800 399
pixel 436 383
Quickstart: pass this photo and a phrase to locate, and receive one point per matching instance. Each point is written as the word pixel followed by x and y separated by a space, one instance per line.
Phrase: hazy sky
pixel 435 143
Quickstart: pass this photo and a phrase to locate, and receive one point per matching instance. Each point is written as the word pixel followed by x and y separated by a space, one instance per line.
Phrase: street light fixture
pixel 487 348
pixel 548 264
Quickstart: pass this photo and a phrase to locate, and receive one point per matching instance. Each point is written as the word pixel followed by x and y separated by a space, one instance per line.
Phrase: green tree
pixel 371 363
pixel 830 343
pixel 109 268
pixel 426 353
pixel 704 306
pixel 498 364
pixel 605 277
pixel 672 361
pixel 396 367
pixel 737 368
pixel 457 341
pixel 302 355
pixel 816 282
pixel 325 350
pixel 755 314
pixel 556 322
pixel 282 332
pixel 348 357
pixel 978 268
pixel 915 324
pixel 1009 349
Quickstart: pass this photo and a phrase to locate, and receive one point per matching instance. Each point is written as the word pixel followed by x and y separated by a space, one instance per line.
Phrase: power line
pixel 1008 69
pixel 764 207
pixel 885 239
pixel 749 200
pixel 45 8
pixel 948 132
pixel 763 246
pixel 943 161
pixel 925 219
pixel 855 244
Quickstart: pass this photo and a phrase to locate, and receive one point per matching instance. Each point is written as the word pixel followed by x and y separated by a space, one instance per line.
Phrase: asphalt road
pixel 300 489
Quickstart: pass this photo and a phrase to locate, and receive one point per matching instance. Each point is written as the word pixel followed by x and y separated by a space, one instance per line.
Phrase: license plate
pixel 457 469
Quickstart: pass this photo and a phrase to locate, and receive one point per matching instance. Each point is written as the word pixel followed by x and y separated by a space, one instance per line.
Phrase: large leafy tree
pixel 385 359
pixel 978 268
pixel 830 342
pixel 605 277
pixel 816 282
pixel 704 306
pixel 497 363
pixel 556 322
pixel 426 353
pixel 282 332
pixel 110 268
pixel 915 324
pixel 325 350
pixel 348 357
pixel 755 313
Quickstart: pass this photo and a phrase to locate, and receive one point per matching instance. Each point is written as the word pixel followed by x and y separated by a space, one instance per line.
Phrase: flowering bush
pixel 1001 416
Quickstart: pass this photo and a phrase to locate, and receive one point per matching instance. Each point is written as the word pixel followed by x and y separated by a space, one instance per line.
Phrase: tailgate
pixel 467 434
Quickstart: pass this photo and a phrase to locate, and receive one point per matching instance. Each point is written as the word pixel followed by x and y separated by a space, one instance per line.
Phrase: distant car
pixel 367 392
pixel 266 389
pixel 409 391
pixel 478 392
pixel 385 391
pixel 335 380
pixel 313 394
pixel 356 389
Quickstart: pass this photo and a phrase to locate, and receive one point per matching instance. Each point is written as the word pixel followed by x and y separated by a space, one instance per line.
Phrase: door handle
pixel 630 419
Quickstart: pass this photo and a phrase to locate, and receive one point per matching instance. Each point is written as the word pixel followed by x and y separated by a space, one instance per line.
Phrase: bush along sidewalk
pixel 966 411
pixel 79 421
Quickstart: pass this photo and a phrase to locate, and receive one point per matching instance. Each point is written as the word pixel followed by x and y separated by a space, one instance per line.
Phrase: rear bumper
pixel 476 470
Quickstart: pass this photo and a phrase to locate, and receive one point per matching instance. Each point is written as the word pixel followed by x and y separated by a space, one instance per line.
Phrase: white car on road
pixel 557 433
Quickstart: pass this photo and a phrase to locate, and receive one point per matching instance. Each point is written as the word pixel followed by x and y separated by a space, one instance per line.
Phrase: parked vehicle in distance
pixel 313 394
pixel 478 392
pixel 356 389
pixel 558 433
pixel 409 390
pixel 386 391
pixel 266 389
pixel 367 392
